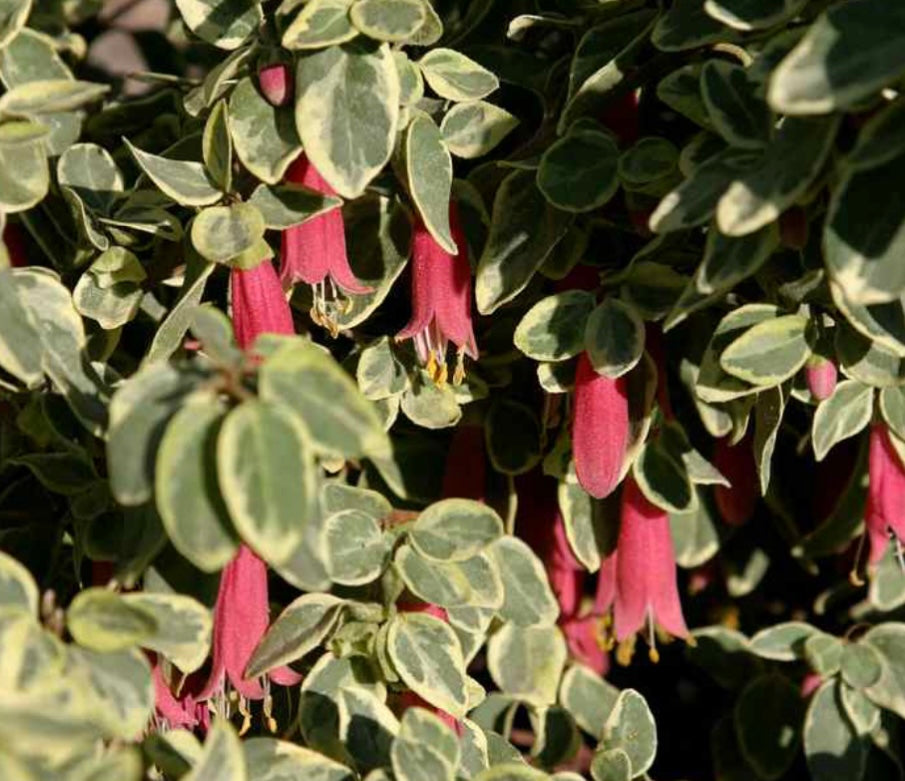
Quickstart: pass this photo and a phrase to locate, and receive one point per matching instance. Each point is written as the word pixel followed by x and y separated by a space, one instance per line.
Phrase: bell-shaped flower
pixel 314 252
pixel 736 502
pixel 885 510
pixel 600 429
pixel 821 376
pixel 241 617
pixel 276 83
pixel 180 710
pixel 646 588
pixel 441 301
pixel 259 304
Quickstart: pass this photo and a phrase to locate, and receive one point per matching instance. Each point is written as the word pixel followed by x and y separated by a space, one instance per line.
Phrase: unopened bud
pixel 821 376
pixel 276 83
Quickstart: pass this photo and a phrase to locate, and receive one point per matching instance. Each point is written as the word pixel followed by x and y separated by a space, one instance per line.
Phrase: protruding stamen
pixel 459 373
pixel 854 577
pixel 653 653
pixel 246 716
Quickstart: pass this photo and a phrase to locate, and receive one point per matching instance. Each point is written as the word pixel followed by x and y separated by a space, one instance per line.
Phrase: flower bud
pixel 276 83
pixel 821 376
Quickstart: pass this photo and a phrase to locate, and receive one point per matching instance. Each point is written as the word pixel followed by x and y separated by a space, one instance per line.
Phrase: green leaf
pixel 269 759
pixel 861 665
pixel 588 697
pixel 649 160
pixel 222 233
pixel 752 14
pixel 388 20
pixel 611 765
pixel 48 96
pixel 769 745
pixel 527 662
pixel 630 727
pixel 265 136
pixel 784 173
pixel 24 176
pixel 587 524
pixel 13 14
pixel 222 758
pixel 888 640
pixel 729 260
pixel 184 181
pixel 553 329
pixel 524 229
pixel 266 474
pixel 738 114
pixel 430 405
pixel 454 76
pixel 694 201
pixel 863 235
pixel 823 654
pixel 183 627
pixel 339 420
pixel 474 128
pixel 614 338
pixel 356 550
pixel 320 23
pixel 429 175
pixel 681 91
pixel 285 205
pixel 892 407
pixel 663 479
pixel 224 23
pixel 346 112
pixel 18 591
pixel 881 139
pixel 20 342
pixel 849 53
pixel 455 529
pixel 528 599
pixel 770 352
pixel 139 413
pixel 411 82
pixel 187 494
pixel 426 654
pixel 686 25
pixel 102 621
pixel 782 642
pixel 832 747
pixel 217 147
pixel 584 186
pixel 473 582
pixel 511 771
pixel 305 624
pixel 841 416
pixel 513 436
pixel 91 173
pixel 768 412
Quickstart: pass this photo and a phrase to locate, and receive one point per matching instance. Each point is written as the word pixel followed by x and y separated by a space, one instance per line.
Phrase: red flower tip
pixel 600 429
pixel 821 376
pixel 408 699
pixel 415 606
pixel 646 589
pixel 314 252
pixel 259 305
pixel 885 510
pixel 276 83
pixel 441 300
pixel 736 502
pixel 587 642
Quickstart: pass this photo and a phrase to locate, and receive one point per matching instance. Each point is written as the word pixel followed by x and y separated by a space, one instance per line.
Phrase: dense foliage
pixel 427 390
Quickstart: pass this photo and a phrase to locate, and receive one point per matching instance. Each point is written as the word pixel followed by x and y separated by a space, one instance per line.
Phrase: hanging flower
pixel 259 305
pixel 600 429
pixel 176 711
pixel 276 83
pixel 314 252
pixel 821 376
pixel 241 617
pixel 646 590
pixel 737 501
pixel 441 301
pixel 885 511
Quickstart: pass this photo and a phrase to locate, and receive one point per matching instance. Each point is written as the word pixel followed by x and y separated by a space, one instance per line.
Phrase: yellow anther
pixel 459 373
pixel 654 655
pixel 442 374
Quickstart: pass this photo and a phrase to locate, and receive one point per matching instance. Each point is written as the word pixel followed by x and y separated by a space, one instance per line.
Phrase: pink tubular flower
pixel 821 376
pixel 885 511
pixel 736 503
pixel 465 476
pixel 600 429
pixel 646 589
pixel 441 300
pixel 241 617
pixel 314 252
pixel 259 305
pixel 182 711
pixel 276 83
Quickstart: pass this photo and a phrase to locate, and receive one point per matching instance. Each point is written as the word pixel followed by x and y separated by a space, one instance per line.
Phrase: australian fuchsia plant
pixel 452 390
